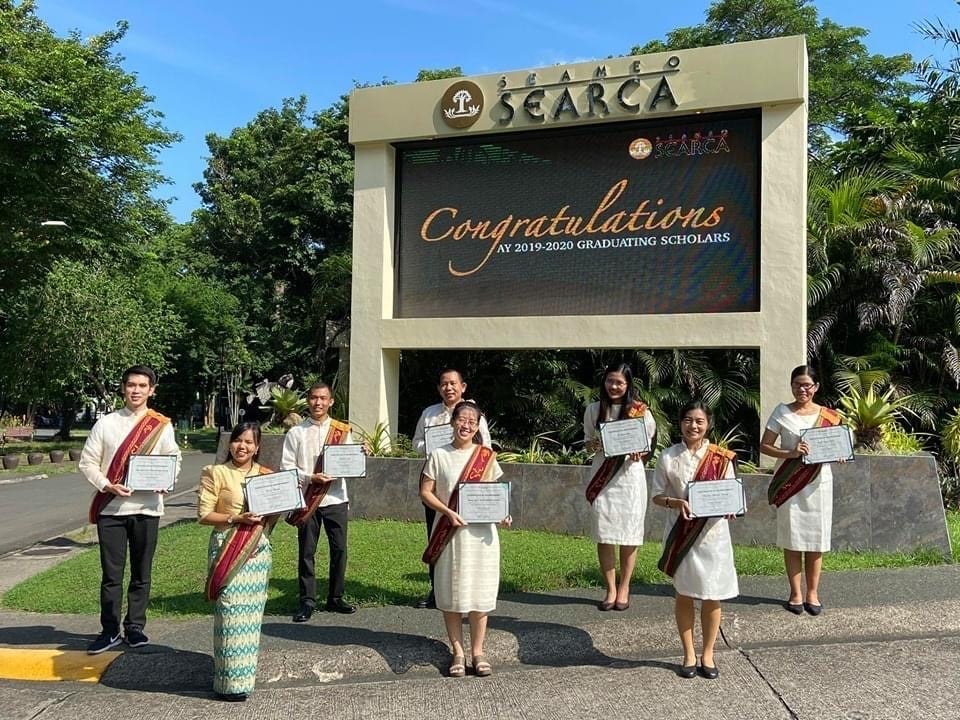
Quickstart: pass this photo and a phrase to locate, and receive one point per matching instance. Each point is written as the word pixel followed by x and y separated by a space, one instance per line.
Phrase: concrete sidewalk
pixel 886 646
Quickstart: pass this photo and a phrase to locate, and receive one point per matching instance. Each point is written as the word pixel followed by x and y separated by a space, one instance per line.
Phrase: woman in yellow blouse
pixel 240 559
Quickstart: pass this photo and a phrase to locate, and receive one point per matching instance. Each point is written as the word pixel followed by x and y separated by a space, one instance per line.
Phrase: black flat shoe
pixel 621 606
pixel 231 697
pixel 795 608
pixel 688 671
pixel 813 609
pixel 339 605
pixel 605 606
pixel 710 673
pixel 428 602
pixel 304 613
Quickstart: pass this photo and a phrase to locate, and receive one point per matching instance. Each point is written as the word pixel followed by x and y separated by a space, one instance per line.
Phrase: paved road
pixel 38 509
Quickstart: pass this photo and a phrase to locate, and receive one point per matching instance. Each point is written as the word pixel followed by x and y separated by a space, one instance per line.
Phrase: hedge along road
pixel 41 509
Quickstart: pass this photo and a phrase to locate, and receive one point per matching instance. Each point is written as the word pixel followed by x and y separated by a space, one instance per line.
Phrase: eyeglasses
pixel 803 386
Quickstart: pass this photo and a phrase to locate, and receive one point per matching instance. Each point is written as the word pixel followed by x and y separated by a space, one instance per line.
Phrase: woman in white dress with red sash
pixel 805 509
pixel 698 553
pixel 466 557
pixel 617 491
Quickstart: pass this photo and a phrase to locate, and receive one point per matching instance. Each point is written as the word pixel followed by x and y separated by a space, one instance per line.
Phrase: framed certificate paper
pixel 622 437
pixel 484 502
pixel 716 498
pixel 437 436
pixel 152 472
pixel 273 493
pixel 827 444
pixel 344 461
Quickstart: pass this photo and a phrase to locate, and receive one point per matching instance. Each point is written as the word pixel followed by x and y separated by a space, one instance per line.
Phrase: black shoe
pixel 104 642
pixel 795 608
pixel 339 605
pixel 429 602
pixel 304 613
pixel 231 697
pixel 688 671
pixel 710 673
pixel 135 638
pixel 813 609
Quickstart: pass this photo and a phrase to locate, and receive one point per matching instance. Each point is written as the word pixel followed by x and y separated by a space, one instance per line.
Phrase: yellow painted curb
pixel 41 664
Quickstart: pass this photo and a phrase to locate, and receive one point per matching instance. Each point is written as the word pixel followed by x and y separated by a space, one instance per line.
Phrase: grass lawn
pixel 204 440
pixel 385 568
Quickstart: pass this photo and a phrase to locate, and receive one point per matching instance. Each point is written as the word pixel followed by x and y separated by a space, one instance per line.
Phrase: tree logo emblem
pixel 461 104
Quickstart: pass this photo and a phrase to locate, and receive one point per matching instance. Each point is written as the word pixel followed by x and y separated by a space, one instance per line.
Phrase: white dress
pixel 707 572
pixel 467 576
pixel 617 514
pixel 804 521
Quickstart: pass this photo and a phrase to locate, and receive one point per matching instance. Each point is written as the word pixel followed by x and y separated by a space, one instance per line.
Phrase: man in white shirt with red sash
pixel 124 517
pixel 450 387
pixel 326 499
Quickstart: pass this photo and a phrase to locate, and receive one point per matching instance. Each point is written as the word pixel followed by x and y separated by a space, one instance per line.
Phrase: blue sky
pixel 212 65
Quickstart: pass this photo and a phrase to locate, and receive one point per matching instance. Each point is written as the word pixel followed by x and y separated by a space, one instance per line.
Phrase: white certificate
pixel 152 472
pixel 437 436
pixel 622 437
pixel 716 498
pixel 484 502
pixel 273 493
pixel 827 444
pixel 344 461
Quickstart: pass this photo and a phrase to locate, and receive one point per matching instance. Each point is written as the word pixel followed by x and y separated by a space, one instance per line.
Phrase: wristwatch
pixel 229 519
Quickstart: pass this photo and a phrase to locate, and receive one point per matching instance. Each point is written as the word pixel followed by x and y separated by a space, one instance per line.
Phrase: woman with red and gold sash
pixel 240 560
pixel 803 494
pixel 617 491
pixel 466 557
pixel 698 553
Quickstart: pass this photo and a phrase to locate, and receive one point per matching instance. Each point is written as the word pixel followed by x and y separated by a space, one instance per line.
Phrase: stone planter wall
pixel 881 502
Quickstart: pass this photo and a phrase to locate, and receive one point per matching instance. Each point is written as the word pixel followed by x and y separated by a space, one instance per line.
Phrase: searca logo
pixel 461 104
pixel 692 145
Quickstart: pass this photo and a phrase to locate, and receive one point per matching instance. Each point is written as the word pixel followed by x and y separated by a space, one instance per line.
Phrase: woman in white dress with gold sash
pixel 467 571
pixel 617 513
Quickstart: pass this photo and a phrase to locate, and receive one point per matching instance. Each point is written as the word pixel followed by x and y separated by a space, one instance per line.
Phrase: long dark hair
pixel 239 429
pixel 629 397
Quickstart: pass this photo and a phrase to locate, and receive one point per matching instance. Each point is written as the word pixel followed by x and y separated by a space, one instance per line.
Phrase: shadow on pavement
pixel 161 669
pixel 34 635
pixel 401 651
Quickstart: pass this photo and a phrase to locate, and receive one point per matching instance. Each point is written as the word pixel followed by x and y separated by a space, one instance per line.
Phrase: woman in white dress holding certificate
pixel 239 563
pixel 466 557
pixel 802 493
pixel 617 491
pixel 698 553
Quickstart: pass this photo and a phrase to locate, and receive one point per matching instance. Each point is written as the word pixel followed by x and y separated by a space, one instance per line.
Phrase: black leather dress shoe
pixel 339 605
pixel 424 603
pixel 710 673
pixel 304 613
pixel 813 609
pixel 795 608
pixel 687 671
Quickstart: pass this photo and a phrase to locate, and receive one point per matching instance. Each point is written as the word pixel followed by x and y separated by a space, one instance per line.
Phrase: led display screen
pixel 627 218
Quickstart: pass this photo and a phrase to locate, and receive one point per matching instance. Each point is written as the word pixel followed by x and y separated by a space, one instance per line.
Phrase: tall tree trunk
pixel 69 404
pixel 210 410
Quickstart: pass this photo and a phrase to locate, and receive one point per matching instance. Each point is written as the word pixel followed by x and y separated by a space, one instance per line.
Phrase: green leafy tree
pixel 73 336
pixel 78 143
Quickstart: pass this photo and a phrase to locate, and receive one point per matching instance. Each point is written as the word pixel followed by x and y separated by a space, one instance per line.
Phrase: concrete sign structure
pixel 656 201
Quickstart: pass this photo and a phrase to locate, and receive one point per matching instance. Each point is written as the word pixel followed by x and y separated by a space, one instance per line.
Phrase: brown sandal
pixel 481 667
pixel 458 666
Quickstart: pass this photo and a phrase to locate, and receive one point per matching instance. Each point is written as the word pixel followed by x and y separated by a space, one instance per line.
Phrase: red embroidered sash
pixel 793 476
pixel 237 547
pixel 476 469
pixel 684 533
pixel 611 466
pixel 141 440
pixel 316 492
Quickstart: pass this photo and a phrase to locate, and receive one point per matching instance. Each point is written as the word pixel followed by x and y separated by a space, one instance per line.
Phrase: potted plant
pixel 35 458
pixel 56 456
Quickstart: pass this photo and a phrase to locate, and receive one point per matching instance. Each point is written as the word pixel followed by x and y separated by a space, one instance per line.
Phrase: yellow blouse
pixel 221 490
